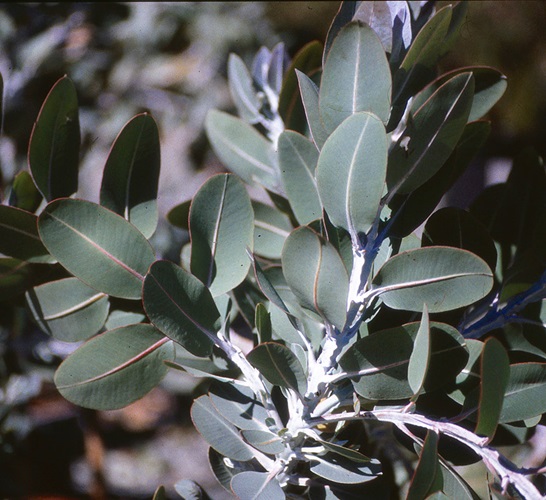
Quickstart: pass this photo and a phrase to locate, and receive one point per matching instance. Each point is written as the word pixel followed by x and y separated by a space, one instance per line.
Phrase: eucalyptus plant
pixel 391 341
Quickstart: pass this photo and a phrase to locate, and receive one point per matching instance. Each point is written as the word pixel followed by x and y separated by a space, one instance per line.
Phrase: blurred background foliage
pixel 170 58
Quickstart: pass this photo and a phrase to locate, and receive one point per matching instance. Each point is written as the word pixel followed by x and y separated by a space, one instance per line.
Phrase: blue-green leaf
pixel 420 355
pixel 310 98
pixel 252 485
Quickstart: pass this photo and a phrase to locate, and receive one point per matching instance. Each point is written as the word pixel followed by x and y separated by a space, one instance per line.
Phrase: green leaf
pixel 351 172
pixel 298 159
pixel 242 90
pixel 250 485
pixel 217 431
pixel 131 174
pixel 221 228
pixel 68 309
pixel 457 228
pixel 19 236
pixel 97 246
pixel 264 440
pixel 179 215
pixel 15 277
pixel 423 478
pixel 225 469
pixel 495 372
pixel 356 77
pixel 310 98
pixel 352 455
pixel 179 305
pixel 338 469
pixel 160 493
pixel 54 148
pixel 24 194
pixel 120 318
pixel 525 395
pixel 489 87
pixel 431 135
pixel 263 323
pixel 271 228
pixel 454 486
pixel 378 363
pixel 115 368
pixel 420 355
pixel 315 273
pixel 279 365
pixel 238 405
pixel 444 278
pixel 308 60
pixel 242 149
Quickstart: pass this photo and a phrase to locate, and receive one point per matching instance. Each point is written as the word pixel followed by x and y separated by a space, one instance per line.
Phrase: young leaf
pixel 420 355
pixel 310 99
pixel 97 246
pixel 298 159
pixel 256 486
pixel 351 172
pixel 54 148
pixel 431 135
pixel 422 483
pixel 444 278
pixel 219 433
pixel 279 365
pixel 242 149
pixel 356 77
pixel 115 368
pixel 179 305
pixel 24 194
pixel 271 228
pixel 131 174
pixel 315 273
pixel 221 229
pixel 68 309
pixel 495 372
pixel 242 90
pixel 19 236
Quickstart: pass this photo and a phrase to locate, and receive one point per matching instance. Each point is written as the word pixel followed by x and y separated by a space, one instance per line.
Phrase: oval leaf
pixel 54 149
pixel 315 273
pixel 181 307
pixel 131 174
pixel 221 228
pixel 97 246
pixel 271 228
pixel 444 278
pixel 115 368
pixel 338 469
pixel 68 309
pixel 250 485
pixel 356 77
pixel 351 172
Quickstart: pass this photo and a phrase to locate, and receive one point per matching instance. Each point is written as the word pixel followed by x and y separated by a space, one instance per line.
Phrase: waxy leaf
pixel 242 90
pixel 338 469
pixel 420 355
pixel 378 364
pixel 131 174
pixel 221 229
pixel 271 228
pixel 242 149
pixel 252 485
pixel 431 135
pixel 495 372
pixel 115 368
pixel 54 149
pixel 238 405
pixel 279 365
pixel 422 482
pixel 315 273
pixel 264 440
pixel 310 99
pixel 225 469
pixel 97 246
pixel 263 323
pixel 444 278
pixel 356 77
pixel 219 433
pixel 298 159
pixel 179 305
pixel 24 194
pixel 351 172
pixel 19 236
pixel 68 309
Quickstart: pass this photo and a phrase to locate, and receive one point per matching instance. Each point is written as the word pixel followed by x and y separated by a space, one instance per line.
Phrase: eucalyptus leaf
pixel 221 229
pixel 252 485
pixel 24 194
pixel 338 469
pixel 422 483
pixel 242 90
pixel 420 355
pixel 351 172
pixel 115 368
pixel 54 149
pixel 179 215
pixel 264 440
pixel 271 229
pixel 131 174
pixel 97 246
pixel 310 98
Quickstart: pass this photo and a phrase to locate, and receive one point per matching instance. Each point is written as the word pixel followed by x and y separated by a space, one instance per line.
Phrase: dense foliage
pixel 391 340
